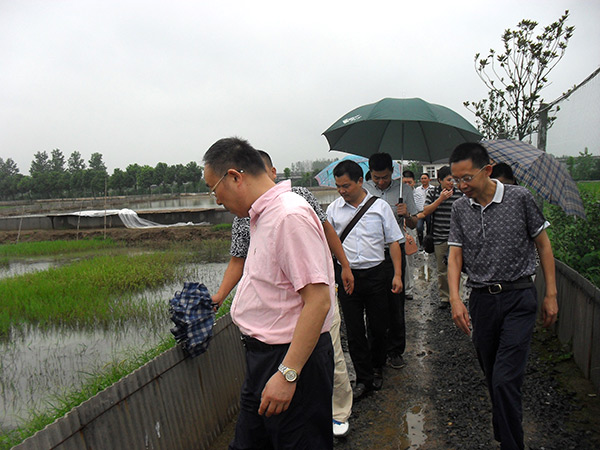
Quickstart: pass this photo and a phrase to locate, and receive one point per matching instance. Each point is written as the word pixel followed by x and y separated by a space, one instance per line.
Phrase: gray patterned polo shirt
pixel 240 229
pixel 497 241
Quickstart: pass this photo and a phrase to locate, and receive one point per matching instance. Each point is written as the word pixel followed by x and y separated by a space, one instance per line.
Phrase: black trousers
pixel 502 330
pixel 370 298
pixel 306 425
pixel 396 336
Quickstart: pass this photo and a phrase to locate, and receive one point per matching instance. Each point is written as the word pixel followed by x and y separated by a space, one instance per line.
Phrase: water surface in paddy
pixel 14 268
pixel 37 365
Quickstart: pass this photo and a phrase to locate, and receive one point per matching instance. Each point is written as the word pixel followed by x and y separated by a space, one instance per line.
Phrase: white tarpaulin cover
pixel 130 218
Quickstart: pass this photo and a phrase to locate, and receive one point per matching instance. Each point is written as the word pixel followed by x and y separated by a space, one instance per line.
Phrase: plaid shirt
pixel 193 314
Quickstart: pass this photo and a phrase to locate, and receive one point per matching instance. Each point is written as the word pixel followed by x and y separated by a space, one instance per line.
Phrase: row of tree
pixel 53 176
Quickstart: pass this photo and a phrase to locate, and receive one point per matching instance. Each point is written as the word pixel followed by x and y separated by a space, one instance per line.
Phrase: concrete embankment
pixel 71 221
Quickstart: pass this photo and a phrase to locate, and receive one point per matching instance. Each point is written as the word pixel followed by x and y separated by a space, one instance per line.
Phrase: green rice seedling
pixel 85 292
pixel 45 248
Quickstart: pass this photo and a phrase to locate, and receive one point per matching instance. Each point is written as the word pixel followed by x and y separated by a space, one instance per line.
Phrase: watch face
pixel 291 375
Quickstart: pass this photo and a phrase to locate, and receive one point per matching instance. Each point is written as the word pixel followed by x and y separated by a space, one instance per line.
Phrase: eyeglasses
pixel 214 188
pixel 467 178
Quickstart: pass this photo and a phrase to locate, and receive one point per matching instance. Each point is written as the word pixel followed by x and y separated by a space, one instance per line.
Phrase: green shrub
pixel 576 241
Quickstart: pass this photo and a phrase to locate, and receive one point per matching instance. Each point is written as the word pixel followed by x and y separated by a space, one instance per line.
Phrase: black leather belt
pixel 503 286
pixel 254 344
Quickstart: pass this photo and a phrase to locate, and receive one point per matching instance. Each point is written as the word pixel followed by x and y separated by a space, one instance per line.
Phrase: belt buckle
pixel 495 288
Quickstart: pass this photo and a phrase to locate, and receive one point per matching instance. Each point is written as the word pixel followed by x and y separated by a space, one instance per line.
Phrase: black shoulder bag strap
pixel 357 217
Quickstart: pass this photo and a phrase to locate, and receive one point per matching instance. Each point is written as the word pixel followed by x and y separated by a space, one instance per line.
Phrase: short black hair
pixel 503 170
pixel 424 173
pixel 350 168
pixel 408 174
pixel 443 172
pixel 380 161
pixel 266 158
pixel 234 153
pixel 470 150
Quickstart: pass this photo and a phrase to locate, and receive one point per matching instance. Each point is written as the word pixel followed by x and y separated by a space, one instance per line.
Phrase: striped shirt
pixel 441 216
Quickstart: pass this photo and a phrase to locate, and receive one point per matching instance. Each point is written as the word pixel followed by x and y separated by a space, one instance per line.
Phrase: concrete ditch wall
pixel 578 322
pixel 174 402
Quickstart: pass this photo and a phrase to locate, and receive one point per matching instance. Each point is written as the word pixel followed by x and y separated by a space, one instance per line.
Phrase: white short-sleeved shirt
pixel 364 246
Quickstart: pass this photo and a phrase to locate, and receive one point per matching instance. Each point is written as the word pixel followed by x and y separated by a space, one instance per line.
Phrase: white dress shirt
pixel 364 246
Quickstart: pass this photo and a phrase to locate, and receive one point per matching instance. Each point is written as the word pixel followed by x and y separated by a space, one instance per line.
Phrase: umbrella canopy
pixel 325 177
pixel 406 128
pixel 540 171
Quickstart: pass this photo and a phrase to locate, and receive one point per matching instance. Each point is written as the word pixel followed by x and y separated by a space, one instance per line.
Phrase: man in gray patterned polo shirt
pixel 493 232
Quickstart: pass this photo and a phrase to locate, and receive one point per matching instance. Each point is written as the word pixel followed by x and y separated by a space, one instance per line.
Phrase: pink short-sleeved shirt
pixel 288 250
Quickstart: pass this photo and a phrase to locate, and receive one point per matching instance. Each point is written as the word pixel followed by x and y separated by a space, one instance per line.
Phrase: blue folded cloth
pixel 192 311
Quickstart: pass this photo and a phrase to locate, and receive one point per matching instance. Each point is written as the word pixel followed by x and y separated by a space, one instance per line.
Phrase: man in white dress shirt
pixel 364 247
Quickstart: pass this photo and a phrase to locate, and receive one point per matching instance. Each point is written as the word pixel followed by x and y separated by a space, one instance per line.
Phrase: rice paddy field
pixel 76 316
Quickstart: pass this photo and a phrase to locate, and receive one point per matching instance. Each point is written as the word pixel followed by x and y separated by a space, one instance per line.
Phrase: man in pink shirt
pixel 283 305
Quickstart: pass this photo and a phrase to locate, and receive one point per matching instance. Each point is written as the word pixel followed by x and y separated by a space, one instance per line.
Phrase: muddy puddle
pixel 39 365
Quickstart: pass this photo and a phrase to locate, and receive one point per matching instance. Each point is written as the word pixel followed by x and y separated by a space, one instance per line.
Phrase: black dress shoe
pixel 377 379
pixel 360 390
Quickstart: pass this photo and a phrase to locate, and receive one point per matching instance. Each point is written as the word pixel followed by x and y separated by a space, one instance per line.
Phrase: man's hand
pixel 276 396
pixel 397 284
pixel 460 316
pixel 446 194
pixel 401 209
pixel 218 300
pixel 549 310
pixel 347 280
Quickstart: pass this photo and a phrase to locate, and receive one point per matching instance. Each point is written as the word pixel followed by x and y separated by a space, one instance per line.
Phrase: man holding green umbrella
pixel 400 198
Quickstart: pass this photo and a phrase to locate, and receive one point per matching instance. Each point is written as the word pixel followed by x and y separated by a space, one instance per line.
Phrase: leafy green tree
pixel 132 173
pixel 146 178
pixel 287 173
pixel 59 182
pixel 8 168
pixel 118 181
pixel 516 76
pixel 96 175
pixel 160 173
pixel 584 166
pixel 193 174
pixel 96 163
pixel 57 161
pixel 40 163
pixel 75 162
pixel 9 179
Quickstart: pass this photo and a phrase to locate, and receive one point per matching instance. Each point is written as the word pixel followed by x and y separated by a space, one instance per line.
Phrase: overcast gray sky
pixel 155 81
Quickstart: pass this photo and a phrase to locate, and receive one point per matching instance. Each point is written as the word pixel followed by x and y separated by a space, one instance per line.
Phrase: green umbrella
pixel 406 128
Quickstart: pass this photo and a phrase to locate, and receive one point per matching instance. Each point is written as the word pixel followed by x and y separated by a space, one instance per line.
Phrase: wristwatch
pixel 290 374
